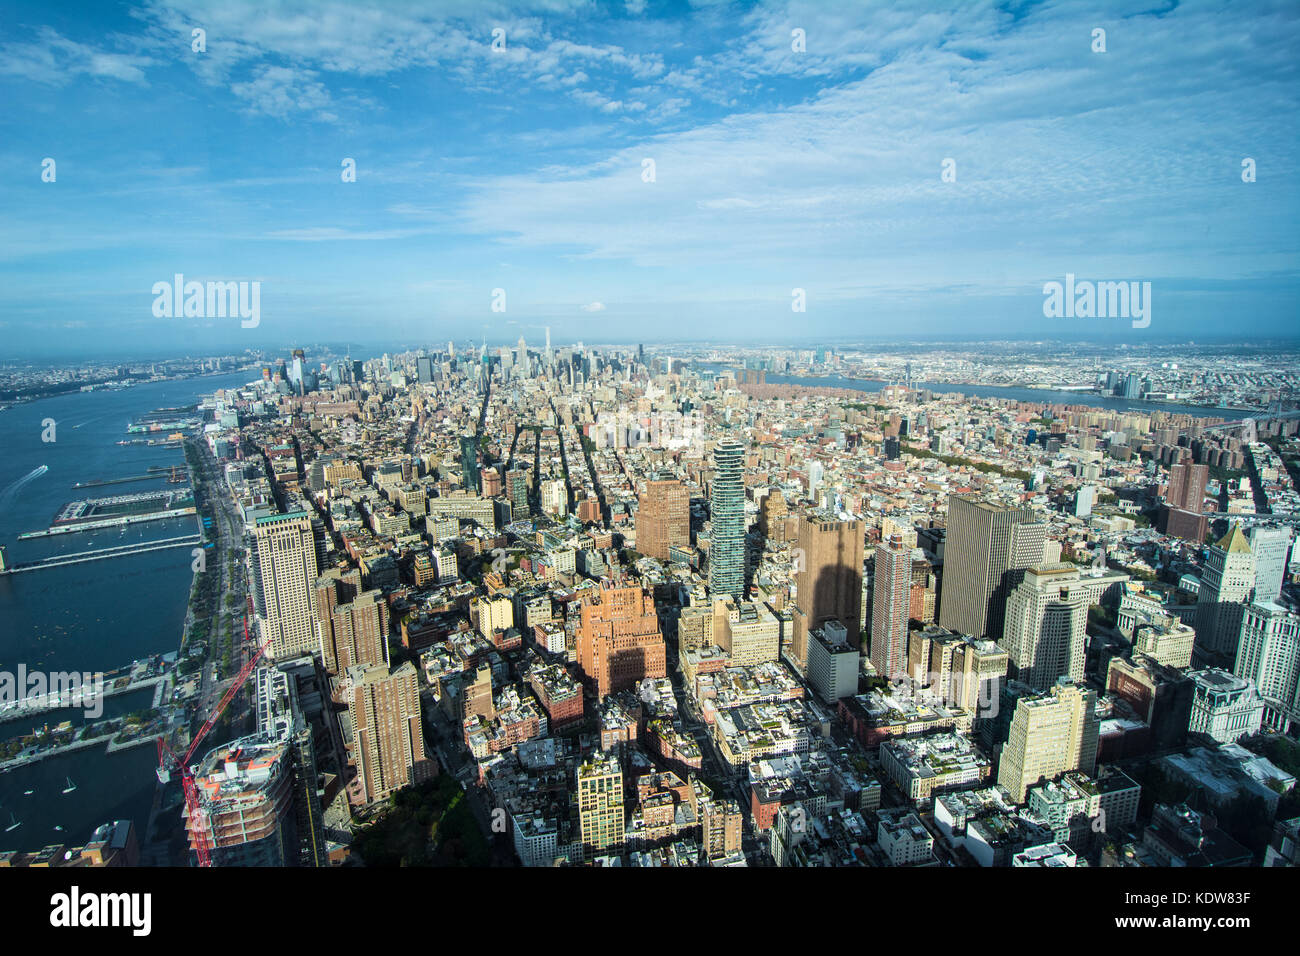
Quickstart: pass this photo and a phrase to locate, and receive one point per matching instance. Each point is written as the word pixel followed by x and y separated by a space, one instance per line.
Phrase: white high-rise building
pixel 1271 547
pixel 1045 631
pixel 1269 655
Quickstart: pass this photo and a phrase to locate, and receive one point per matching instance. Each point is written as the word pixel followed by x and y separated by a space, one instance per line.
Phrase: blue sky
pixel 522 169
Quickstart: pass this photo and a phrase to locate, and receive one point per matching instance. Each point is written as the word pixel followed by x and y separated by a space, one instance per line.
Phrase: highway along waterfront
pixel 93 615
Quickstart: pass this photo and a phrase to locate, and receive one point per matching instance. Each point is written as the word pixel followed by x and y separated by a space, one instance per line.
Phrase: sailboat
pixel 13 823
pixel 70 787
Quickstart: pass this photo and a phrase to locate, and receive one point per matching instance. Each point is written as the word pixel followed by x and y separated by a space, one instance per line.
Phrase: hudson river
pixel 93 616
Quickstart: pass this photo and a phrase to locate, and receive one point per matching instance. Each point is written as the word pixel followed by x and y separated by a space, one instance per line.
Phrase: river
pixel 92 616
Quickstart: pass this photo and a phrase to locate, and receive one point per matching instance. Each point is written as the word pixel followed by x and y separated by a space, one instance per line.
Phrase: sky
pixel 641 171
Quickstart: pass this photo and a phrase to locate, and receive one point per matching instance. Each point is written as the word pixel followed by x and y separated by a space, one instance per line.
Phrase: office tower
pixel 492 483
pixel 828 578
pixel 891 587
pixel 469 463
pixel 1045 631
pixel 1226 585
pixel 1269 655
pixel 517 491
pixel 1187 486
pixel 1225 707
pixel 285 574
pixel 987 545
pixel 523 357
pixel 387 730
pixel 1271 547
pixel 833 663
pixel 600 805
pixel 727 519
pixel 663 518
pixel 424 369
pixel 1050 734
pixel 772 516
pixel 1133 385
pixel 619 641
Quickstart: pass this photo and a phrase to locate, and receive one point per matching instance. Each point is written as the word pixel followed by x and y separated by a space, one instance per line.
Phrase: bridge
pixel 101 554
pixel 1248 426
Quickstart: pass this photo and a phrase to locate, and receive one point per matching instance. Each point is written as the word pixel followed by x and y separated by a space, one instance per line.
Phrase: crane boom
pixel 198 819
pixel 226 698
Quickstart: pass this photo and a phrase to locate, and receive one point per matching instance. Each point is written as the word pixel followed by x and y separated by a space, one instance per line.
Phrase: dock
pixel 101 554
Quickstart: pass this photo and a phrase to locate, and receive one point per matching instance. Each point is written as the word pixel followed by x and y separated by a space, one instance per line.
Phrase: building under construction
pixel 258 798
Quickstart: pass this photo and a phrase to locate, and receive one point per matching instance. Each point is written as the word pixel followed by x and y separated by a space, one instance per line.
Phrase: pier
pixel 100 554
pixel 107 523
pixel 57 700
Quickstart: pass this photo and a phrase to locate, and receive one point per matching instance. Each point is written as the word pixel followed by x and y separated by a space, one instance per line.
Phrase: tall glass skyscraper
pixel 727 514
pixel 469 463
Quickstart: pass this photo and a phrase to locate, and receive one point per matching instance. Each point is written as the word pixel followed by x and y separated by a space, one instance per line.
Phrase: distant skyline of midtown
pixel 645 173
pixel 131 350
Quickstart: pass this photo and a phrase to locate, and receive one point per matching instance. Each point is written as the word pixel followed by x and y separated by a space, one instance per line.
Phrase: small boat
pixel 59 829
pixel 13 824
pixel 28 793
pixel 70 787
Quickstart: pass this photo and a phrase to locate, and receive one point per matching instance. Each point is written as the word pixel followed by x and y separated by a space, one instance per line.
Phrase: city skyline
pixel 522 169
pixel 598 435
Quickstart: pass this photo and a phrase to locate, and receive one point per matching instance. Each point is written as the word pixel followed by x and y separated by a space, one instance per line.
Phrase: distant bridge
pixel 1248 426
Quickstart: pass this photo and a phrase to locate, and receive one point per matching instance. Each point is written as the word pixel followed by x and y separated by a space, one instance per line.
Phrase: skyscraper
pixel 469 463
pixel 727 519
pixel 1050 734
pixel 387 730
pixel 284 569
pixel 1045 632
pixel 1226 585
pixel 828 578
pixel 359 629
pixel 663 518
pixel 986 545
pixel 1269 655
pixel 1271 547
pixel 891 585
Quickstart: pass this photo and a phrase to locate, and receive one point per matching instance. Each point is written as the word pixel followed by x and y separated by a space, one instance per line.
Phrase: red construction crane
pixel 168 762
